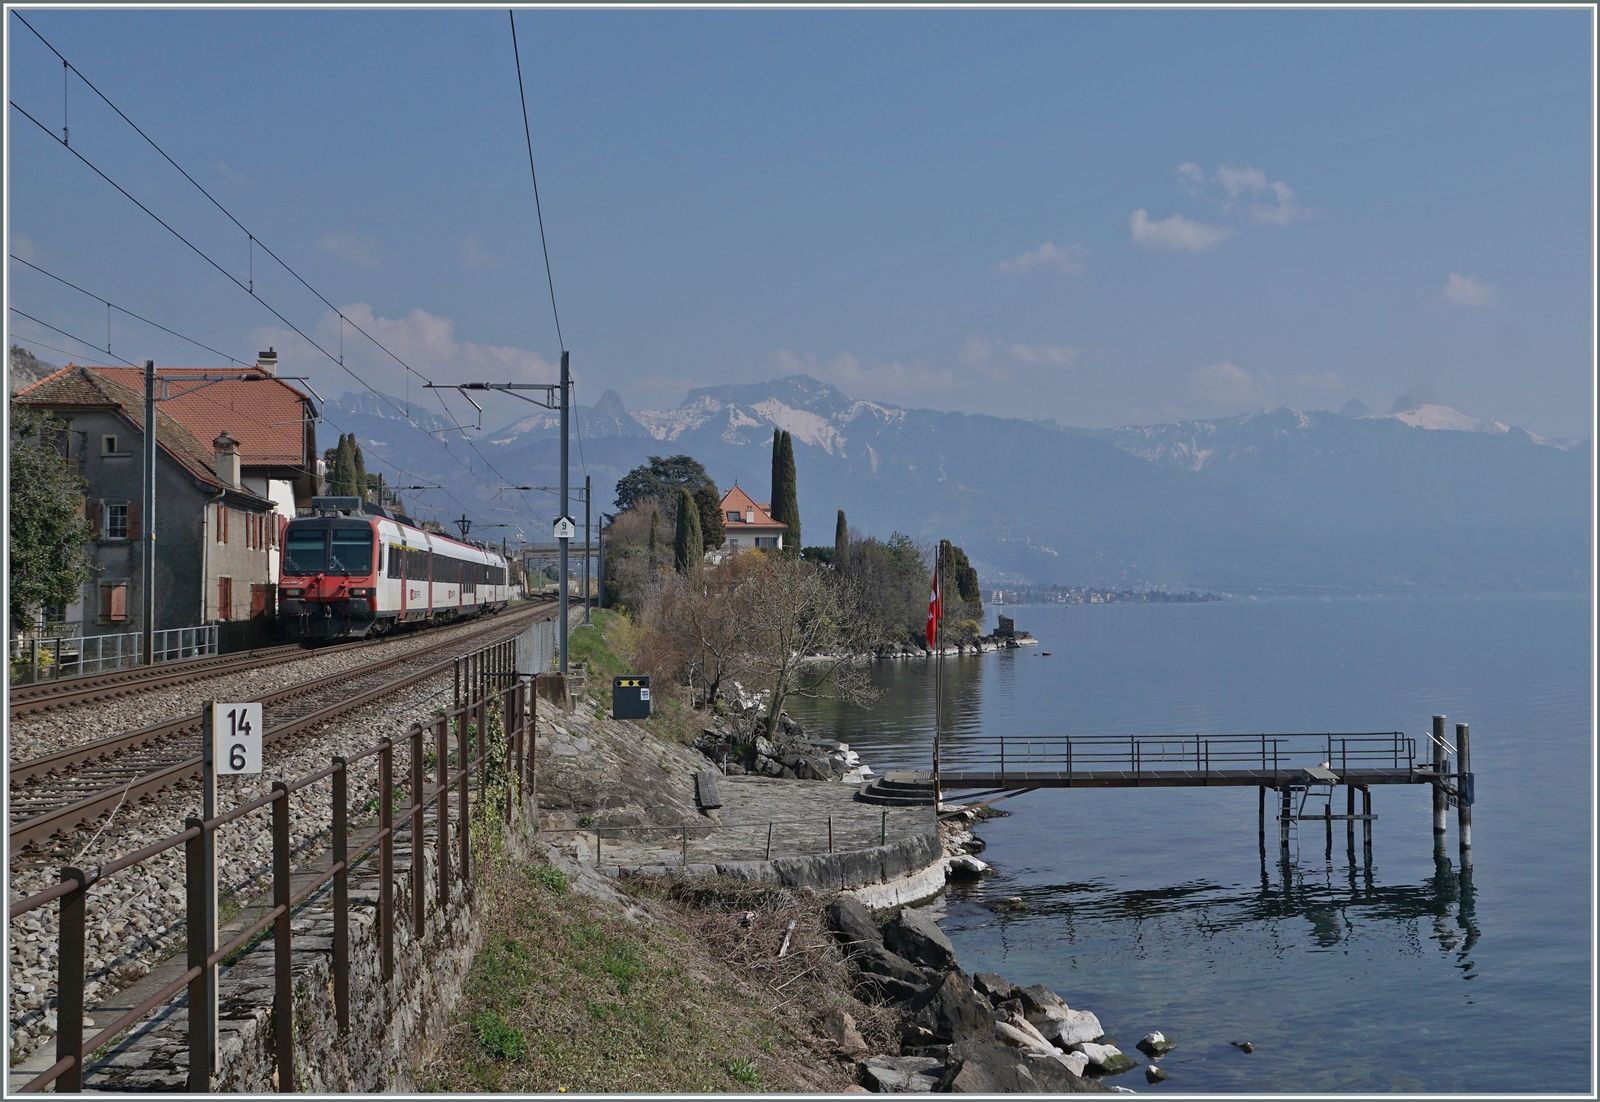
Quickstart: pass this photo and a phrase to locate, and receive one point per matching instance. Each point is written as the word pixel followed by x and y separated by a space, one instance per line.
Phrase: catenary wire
pixel 113 306
pixel 527 133
pixel 198 252
pixel 253 240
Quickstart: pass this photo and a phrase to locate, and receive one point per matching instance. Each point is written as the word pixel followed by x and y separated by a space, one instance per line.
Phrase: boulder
pixel 873 987
pixel 914 935
pixel 841 1028
pixel 994 987
pixel 1075 1062
pixel 1108 1059
pixel 965 867
pixel 1008 1033
pixel 984 1066
pixel 901 1074
pixel 1042 1003
pixel 953 1012
pixel 1154 1044
pixel 1153 1074
pixel 765 748
pixel 1073 1028
pixel 852 923
pixel 880 962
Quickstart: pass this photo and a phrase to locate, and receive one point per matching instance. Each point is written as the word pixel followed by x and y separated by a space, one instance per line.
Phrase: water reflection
pixel 1334 907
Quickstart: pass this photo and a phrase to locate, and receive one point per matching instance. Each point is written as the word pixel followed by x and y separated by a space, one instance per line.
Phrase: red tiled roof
pixel 739 501
pixel 266 415
pixel 84 387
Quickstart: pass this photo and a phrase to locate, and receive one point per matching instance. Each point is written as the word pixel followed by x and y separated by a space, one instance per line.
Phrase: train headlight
pixel 361 592
pixel 293 592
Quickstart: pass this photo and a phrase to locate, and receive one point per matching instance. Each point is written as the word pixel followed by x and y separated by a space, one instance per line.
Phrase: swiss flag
pixel 935 610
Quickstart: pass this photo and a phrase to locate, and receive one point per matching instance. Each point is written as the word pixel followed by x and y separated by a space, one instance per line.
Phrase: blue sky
pixel 1098 216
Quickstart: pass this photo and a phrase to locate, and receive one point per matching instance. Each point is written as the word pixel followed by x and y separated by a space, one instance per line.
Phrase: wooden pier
pixel 989 768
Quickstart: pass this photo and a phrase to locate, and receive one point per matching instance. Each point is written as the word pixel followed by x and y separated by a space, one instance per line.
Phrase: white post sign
pixel 236 738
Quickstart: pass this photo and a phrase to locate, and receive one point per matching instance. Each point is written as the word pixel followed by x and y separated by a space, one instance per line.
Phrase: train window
pixel 352 551
pixel 394 560
pixel 305 551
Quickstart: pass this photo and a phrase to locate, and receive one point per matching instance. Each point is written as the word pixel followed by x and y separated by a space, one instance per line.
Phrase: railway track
pixel 57 793
pixel 45 696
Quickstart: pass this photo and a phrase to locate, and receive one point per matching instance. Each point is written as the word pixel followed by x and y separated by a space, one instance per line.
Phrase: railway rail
pixel 45 696
pixel 58 793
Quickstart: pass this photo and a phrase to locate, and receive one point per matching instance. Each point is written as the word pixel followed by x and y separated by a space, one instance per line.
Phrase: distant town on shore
pixel 1082 595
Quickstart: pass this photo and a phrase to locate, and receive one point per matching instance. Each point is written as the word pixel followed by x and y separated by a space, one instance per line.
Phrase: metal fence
pixel 468 724
pixel 1146 754
pixel 44 659
pixel 741 841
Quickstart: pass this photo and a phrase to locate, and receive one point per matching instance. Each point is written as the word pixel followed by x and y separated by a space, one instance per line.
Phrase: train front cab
pixel 329 586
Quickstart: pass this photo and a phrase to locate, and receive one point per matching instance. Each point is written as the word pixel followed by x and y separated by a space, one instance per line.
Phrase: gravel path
pixel 47 732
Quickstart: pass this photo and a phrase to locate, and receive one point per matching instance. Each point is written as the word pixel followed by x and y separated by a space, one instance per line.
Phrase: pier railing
pixel 1149 754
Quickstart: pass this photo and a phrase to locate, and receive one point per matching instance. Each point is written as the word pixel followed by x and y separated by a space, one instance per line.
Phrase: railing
pixel 1156 754
pixel 516 706
pixel 763 834
pixel 36 659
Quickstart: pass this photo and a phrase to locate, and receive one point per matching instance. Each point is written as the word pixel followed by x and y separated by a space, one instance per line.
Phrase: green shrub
pixel 499 1039
pixel 549 878
pixel 744 1071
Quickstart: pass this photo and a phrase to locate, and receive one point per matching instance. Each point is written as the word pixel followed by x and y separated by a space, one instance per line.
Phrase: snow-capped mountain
pixel 1424 498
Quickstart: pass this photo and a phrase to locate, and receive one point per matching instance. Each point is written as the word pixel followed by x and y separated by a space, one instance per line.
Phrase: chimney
pixel 227 449
pixel 267 362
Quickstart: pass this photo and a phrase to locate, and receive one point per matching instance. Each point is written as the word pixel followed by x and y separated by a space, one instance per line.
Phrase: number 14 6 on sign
pixel 236 738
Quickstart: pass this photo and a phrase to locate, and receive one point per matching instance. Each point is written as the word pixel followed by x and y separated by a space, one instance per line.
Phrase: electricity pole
pixel 558 396
pixel 147 516
pixel 588 602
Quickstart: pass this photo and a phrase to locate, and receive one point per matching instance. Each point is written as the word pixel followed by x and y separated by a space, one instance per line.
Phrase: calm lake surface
pixel 1156 909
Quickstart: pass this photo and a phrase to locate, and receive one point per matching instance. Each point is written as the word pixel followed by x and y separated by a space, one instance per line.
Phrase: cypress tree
pixel 841 541
pixel 785 502
pixel 708 501
pixel 361 468
pixel 341 483
pixel 654 519
pixel 687 546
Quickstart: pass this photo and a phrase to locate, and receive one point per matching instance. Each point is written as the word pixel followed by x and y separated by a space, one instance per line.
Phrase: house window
pixel 733 542
pixel 114 602
pixel 116 522
pixel 766 541
pixel 108 445
pixel 224 598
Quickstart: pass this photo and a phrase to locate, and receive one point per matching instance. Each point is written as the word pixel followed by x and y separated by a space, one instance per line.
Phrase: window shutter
pixel 133 520
pixel 91 510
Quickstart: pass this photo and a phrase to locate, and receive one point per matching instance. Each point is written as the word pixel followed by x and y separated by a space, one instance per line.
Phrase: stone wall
pixel 394 1026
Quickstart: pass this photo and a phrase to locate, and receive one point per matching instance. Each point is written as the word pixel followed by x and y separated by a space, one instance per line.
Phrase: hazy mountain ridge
pixel 1277 497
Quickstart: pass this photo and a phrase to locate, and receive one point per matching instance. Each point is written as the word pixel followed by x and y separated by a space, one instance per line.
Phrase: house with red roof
pixel 749 524
pixel 234 459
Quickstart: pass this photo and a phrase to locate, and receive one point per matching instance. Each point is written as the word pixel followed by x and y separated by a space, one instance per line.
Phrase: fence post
pixel 282 959
pixel 418 915
pixel 386 856
pixel 341 896
pixel 830 833
pixel 463 803
pixel 685 862
pixel 769 839
pixel 483 738
pixel 1464 794
pixel 441 807
pixel 883 829
pixel 69 980
pixel 197 921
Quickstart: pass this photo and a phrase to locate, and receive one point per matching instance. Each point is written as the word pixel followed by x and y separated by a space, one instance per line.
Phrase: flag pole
pixel 938 718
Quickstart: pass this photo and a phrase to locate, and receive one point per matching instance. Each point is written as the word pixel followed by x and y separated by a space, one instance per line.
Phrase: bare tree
pixel 803 633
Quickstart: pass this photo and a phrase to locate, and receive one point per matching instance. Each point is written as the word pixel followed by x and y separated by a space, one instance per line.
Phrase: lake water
pixel 1156 908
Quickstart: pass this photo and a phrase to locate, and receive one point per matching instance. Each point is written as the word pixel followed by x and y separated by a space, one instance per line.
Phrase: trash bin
pixel 630 697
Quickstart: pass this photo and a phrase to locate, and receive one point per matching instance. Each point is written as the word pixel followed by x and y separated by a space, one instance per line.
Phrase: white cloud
pixel 1251 184
pixel 1062 258
pixel 23 246
pixel 881 377
pixel 1175 233
pixel 975 350
pixel 1466 291
pixel 227 173
pixel 1191 176
pixel 427 342
pixel 473 254
pixel 1224 384
pixel 352 247
pixel 1057 354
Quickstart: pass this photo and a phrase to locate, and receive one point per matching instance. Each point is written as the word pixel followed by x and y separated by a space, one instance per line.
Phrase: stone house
pixel 749 524
pixel 215 535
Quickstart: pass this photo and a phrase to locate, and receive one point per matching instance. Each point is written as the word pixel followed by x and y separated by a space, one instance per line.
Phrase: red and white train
pixel 354 569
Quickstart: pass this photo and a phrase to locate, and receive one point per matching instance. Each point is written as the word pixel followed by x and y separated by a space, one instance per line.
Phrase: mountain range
pixel 1421 499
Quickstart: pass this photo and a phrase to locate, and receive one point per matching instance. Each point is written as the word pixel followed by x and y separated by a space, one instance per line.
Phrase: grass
pixel 565 995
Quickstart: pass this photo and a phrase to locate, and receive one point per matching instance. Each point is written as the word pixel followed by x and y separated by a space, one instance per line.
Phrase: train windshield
pixel 305 551
pixel 319 550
